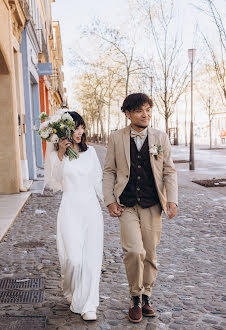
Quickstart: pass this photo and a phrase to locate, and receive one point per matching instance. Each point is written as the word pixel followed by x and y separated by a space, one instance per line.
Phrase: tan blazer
pixel 117 167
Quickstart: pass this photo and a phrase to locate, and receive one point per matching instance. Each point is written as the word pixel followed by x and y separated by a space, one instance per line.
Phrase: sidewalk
pixel 209 164
pixel 189 292
pixel 11 205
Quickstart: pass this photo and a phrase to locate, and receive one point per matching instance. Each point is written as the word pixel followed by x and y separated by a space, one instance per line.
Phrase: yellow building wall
pixel 10 166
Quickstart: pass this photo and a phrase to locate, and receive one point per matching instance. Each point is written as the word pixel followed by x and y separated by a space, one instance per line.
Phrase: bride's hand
pixel 63 145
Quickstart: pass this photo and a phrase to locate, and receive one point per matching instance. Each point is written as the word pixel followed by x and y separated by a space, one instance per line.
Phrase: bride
pixel 80 220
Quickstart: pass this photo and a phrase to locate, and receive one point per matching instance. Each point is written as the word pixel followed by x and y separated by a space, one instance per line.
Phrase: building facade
pixel 26 42
pixel 43 78
pixel 51 85
pixel 58 90
pixel 13 160
pixel 30 49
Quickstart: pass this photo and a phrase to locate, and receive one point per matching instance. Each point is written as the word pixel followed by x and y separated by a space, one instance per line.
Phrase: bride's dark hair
pixel 79 121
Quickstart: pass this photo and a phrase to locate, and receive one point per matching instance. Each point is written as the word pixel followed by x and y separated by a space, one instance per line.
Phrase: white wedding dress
pixel 79 227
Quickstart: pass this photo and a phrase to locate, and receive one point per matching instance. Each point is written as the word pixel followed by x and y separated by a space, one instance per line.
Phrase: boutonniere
pixel 155 150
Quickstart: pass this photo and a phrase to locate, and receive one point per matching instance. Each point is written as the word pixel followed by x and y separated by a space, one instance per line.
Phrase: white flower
pixel 66 116
pixel 54 138
pixel 44 134
pixel 44 125
pixel 50 130
pixel 55 119
pixel 60 112
pixel 153 150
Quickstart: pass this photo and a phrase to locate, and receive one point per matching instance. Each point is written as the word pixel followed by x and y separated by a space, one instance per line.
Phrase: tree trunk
pixel 98 126
pixel 167 124
pixel 127 87
pixel 177 130
pixel 210 122
pixel 109 119
pixel 118 114
pixel 101 123
pixel 93 128
pixel 185 123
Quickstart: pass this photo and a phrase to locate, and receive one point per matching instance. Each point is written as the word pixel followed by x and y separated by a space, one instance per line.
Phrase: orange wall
pixel 44 103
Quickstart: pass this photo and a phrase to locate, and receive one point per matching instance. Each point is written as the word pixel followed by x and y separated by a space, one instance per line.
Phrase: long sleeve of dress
pixel 98 176
pixel 57 168
pixel 54 171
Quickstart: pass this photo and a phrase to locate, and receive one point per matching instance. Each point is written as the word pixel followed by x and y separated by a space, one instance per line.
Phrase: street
pixel 190 289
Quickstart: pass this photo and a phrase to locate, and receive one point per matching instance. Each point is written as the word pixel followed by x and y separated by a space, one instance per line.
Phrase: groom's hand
pixel 171 210
pixel 115 210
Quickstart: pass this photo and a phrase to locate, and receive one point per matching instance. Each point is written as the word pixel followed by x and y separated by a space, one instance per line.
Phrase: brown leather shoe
pixel 147 309
pixel 135 310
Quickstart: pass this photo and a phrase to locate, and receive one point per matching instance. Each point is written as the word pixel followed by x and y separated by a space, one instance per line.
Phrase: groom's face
pixel 140 117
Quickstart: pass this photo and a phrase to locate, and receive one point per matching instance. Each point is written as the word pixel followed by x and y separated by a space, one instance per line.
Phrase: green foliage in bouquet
pixel 59 126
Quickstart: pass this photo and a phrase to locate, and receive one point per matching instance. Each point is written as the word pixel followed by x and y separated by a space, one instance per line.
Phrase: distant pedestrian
pixel 80 220
pixel 223 136
pixel 139 182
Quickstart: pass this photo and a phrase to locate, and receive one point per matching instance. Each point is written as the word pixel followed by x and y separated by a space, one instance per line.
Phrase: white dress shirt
pixel 138 140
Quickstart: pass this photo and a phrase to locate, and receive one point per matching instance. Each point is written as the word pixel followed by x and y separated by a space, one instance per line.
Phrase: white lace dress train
pixel 79 228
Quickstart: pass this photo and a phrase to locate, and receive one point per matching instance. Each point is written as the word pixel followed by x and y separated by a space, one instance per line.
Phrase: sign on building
pixel 45 69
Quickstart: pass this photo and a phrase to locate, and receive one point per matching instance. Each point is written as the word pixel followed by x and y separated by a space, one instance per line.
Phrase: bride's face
pixel 77 135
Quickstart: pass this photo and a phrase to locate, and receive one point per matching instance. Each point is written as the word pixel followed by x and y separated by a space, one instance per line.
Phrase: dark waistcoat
pixel 141 187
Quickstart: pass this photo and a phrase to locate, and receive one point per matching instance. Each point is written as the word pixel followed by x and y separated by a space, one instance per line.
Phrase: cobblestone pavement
pixel 190 288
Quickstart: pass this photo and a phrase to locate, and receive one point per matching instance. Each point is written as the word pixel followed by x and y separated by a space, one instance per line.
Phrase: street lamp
pixel 191 56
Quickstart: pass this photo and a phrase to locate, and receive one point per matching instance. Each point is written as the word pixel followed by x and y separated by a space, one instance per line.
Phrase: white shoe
pixel 89 316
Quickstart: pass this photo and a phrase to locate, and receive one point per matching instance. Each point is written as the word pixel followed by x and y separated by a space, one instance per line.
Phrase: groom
pixel 139 182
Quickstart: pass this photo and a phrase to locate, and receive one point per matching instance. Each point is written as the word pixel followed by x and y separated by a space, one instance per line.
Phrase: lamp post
pixel 191 56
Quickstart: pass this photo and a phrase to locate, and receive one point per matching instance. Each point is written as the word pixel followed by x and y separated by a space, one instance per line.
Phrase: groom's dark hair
pixel 136 100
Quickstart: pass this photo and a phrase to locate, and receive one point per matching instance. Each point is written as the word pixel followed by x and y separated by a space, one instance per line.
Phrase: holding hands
pixel 115 210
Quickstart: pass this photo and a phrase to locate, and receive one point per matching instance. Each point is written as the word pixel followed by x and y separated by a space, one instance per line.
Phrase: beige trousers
pixel 140 231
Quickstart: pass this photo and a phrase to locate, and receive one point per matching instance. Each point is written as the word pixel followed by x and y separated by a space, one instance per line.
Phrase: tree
pixel 217 53
pixel 114 85
pixel 91 91
pixel 167 67
pixel 209 95
pixel 122 51
pixel 99 86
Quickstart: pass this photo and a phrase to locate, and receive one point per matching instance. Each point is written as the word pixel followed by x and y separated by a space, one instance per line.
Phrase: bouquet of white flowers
pixel 56 127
